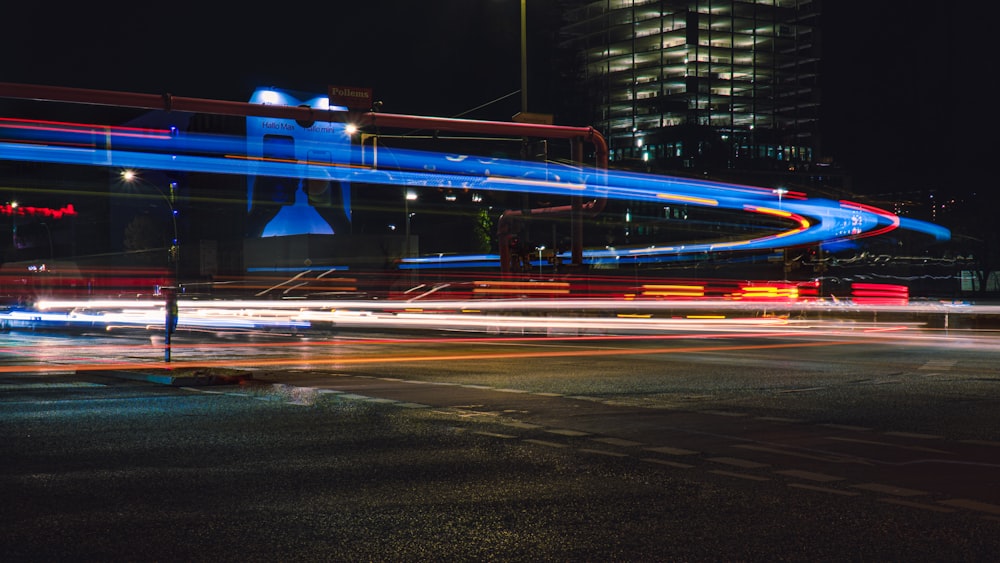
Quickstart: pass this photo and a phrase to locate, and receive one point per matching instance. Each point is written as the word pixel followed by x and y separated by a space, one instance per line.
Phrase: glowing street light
pixel 780 192
pixel 13 223
pixel 410 196
pixel 173 256
pixel 540 249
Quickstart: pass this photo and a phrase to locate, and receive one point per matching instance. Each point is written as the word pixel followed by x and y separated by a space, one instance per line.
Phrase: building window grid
pixel 735 54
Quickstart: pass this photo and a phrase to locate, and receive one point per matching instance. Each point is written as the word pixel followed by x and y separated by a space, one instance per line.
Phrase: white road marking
pixel 919 505
pixel 602 452
pixel 829 458
pixel 737 462
pixel 972 505
pixel 668 463
pixel 671 451
pixel 887 444
pixel 563 432
pixel 809 475
pixel 847 427
pixel 495 435
pixel 617 442
pixel 545 443
pixel 915 435
pixel 992 443
pixel 823 490
pixel 780 419
pixel 522 425
pixel 889 490
pixel 939 364
pixel 739 475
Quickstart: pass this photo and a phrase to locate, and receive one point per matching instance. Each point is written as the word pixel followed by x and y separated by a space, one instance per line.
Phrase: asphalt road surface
pixel 699 447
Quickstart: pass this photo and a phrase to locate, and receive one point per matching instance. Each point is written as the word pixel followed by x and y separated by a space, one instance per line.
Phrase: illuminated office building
pixel 701 84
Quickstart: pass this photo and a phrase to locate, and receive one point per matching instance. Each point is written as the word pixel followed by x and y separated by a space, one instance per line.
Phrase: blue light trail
pixel 810 221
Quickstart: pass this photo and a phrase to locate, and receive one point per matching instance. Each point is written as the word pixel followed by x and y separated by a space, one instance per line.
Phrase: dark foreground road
pixel 100 469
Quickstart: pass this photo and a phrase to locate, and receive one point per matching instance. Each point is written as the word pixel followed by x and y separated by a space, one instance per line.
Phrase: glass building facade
pixel 706 84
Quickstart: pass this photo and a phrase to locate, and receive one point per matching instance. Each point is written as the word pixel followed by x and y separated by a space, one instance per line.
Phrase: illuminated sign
pixel 352 97
pixel 317 202
pixel 27 210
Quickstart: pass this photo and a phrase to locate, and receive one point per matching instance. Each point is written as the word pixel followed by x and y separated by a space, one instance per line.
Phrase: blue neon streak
pixel 828 220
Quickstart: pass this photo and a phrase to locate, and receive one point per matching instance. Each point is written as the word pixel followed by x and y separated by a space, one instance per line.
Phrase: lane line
pixel 823 490
pixel 602 452
pixel 724 413
pixel 890 490
pixel 991 443
pixel 739 475
pixel 617 442
pixel 809 475
pixel 672 451
pixel 972 505
pixel 914 435
pixel 919 505
pixel 737 462
pixel 563 432
pixel 847 427
pixel 495 434
pixel 889 445
pixel 545 443
pixel 791 453
pixel 780 419
pixel 668 463
pixel 521 425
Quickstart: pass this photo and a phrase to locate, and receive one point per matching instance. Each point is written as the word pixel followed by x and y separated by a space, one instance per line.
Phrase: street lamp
pixel 540 249
pixel 780 192
pixel 410 196
pixel 13 225
pixel 130 176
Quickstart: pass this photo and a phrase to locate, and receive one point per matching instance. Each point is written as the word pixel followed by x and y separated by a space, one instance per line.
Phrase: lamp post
pixel 410 196
pixel 13 225
pixel 780 192
pixel 173 258
pixel 524 56
pixel 540 249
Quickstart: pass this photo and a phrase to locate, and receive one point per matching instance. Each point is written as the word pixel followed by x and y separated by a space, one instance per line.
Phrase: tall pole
pixel 524 56
pixel 173 256
pixel 173 259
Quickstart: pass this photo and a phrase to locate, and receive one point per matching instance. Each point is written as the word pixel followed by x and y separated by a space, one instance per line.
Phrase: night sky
pixel 892 86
